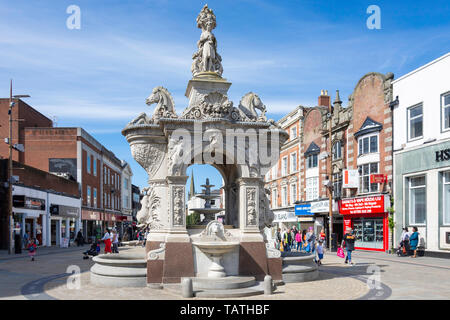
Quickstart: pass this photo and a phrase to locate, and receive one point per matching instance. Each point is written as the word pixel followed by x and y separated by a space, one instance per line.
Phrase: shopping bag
pixel 308 248
pixel 340 253
pixel 281 246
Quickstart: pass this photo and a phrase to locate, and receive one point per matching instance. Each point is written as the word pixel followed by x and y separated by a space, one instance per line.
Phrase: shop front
pixel 29 213
pixel 92 225
pixel 368 217
pixel 422 196
pixel 64 224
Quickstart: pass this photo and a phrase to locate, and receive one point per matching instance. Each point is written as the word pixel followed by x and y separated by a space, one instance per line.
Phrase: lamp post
pixel 10 165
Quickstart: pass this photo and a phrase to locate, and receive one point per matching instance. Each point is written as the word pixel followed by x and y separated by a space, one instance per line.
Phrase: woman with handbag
pixel 414 241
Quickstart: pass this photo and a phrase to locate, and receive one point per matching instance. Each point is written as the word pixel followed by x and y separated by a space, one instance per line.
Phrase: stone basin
pixel 215 247
pixel 215 250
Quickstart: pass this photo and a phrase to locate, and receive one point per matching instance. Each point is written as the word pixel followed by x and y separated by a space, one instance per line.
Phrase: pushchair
pixel 403 249
pixel 93 251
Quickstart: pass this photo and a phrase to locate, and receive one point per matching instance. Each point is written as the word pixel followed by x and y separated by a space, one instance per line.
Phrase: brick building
pixel 283 179
pixel 361 146
pixel 74 152
pixel 38 196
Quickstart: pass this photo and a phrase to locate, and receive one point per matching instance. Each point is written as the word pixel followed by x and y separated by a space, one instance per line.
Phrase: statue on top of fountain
pixel 206 59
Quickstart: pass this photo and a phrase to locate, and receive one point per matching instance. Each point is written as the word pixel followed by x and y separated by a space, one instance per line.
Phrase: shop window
pixel 368 144
pixel 311 161
pixel 312 188
pixel 446 198
pixel 446 111
pixel 417 200
pixel 337 150
pixel 415 122
pixel 368 233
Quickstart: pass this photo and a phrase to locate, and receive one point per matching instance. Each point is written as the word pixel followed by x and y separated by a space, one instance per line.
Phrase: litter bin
pixel 334 244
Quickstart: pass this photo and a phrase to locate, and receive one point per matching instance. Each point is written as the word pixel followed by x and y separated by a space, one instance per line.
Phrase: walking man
pixel 349 243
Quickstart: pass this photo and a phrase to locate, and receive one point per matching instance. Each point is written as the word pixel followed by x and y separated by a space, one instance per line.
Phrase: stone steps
pixel 228 287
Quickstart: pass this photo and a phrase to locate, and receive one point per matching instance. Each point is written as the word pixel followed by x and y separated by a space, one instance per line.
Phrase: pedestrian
pixel 31 247
pixel 107 239
pixel 145 236
pixel 298 239
pixel 320 252
pixel 322 235
pixel 414 241
pixel 278 239
pixel 305 243
pixel 98 247
pixel 26 238
pixel 287 240
pixel 349 242
pixel 404 241
pixel 311 240
pixel 115 241
pixel 79 239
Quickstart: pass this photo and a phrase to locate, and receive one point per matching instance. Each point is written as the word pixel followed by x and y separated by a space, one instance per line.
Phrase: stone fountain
pixel 242 144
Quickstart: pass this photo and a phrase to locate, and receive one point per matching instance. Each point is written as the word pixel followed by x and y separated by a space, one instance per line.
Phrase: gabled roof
pixel 368 126
pixel 312 149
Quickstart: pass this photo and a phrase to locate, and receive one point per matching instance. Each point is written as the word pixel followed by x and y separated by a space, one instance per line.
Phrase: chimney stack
pixel 324 99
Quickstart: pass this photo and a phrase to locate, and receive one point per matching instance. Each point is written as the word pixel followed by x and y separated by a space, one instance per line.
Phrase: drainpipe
pixel 392 105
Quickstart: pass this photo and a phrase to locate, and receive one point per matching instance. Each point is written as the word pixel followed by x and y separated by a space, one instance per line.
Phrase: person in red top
pixel 31 247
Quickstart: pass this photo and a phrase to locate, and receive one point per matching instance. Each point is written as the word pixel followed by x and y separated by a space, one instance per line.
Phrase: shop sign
pixel 375 204
pixel 320 206
pixel 347 224
pixel 21 201
pixel 303 209
pixel 286 216
pixel 377 178
pixel 64 211
pixel 443 155
pixel 350 179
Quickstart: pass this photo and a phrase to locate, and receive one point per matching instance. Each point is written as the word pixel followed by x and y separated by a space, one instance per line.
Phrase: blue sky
pixel 286 51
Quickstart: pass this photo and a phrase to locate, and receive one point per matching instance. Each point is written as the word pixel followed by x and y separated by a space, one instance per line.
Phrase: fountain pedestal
pixel 215 251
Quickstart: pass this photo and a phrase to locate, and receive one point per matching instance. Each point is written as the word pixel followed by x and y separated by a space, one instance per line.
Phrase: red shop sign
pixel 377 178
pixel 374 204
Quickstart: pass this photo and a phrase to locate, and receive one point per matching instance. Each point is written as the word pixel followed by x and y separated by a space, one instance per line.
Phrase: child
pixel 31 249
pixel 98 247
pixel 320 252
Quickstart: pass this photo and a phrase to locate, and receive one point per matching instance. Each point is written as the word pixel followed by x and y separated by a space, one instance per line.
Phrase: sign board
pixel 375 204
pixel 64 242
pixel 21 201
pixel 303 210
pixel 320 206
pixel 377 178
pixel 347 224
pixel 285 216
pixel 350 179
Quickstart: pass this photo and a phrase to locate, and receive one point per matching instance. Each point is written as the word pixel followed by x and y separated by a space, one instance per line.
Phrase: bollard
pixel 187 290
pixel 268 285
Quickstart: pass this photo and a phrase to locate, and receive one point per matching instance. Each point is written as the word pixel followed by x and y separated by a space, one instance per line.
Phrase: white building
pixel 421 143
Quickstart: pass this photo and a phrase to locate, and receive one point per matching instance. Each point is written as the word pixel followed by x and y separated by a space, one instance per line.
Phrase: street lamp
pixel 19 148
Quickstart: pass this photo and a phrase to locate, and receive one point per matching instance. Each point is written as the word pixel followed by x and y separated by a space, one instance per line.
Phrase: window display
pixel 368 232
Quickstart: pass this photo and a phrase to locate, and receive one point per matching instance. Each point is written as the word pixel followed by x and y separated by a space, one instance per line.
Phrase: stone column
pixel 177 209
pixel 249 209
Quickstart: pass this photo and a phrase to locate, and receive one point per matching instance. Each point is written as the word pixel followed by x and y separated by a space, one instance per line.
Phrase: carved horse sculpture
pixel 165 107
pixel 248 105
